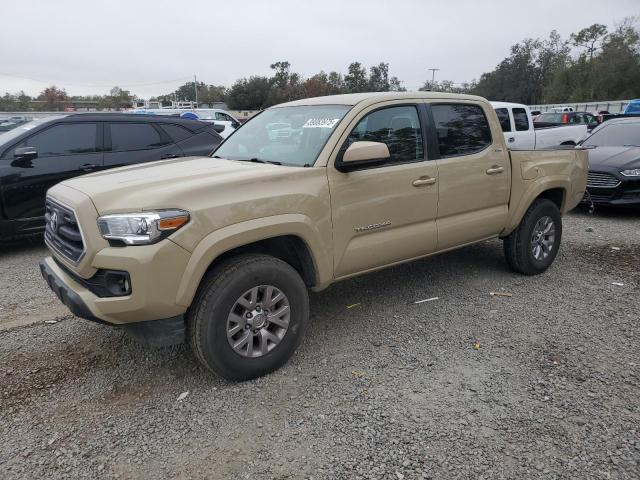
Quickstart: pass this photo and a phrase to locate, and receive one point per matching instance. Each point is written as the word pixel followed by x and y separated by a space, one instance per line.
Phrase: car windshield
pixel 633 108
pixel 287 135
pixel 25 127
pixel 550 118
pixel 615 135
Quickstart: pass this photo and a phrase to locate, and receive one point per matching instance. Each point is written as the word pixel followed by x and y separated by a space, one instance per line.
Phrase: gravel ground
pixel 542 384
pixel 24 297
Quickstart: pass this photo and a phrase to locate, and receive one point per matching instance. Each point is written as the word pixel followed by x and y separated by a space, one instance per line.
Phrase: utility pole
pixel 433 76
pixel 195 87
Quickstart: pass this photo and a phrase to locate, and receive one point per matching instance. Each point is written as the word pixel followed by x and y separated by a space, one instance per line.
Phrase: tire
pixel 225 296
pixel 522 254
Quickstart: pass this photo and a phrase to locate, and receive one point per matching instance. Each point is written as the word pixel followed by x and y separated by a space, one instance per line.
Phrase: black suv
pixel 37 155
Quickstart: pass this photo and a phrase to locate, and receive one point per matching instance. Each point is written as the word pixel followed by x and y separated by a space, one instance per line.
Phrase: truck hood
pixel 168 183
pixel 622 158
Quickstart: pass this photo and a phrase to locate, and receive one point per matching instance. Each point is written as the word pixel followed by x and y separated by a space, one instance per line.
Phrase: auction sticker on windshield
pixel 321 123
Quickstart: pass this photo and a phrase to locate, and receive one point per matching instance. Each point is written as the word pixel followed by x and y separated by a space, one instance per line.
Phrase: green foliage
pixel 592 65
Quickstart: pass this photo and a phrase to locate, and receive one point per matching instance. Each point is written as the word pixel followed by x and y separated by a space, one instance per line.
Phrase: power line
pixel 97 85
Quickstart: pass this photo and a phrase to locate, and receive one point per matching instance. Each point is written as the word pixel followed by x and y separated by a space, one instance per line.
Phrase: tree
pixel 379 78
pixel 590 38
pixel 249 94
pixel 54 98
pixel 356 80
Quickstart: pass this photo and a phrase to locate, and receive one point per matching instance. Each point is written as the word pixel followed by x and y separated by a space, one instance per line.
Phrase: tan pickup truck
pixel 221 250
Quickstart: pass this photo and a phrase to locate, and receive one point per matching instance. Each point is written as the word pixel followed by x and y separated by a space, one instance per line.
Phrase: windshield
pixel 287 135
pixel 633 108
pixel 25 127
pixel 615 135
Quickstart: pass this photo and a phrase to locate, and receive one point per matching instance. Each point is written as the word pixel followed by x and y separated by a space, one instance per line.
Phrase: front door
pixel 385 214
pixel 473 174
pixel 64 150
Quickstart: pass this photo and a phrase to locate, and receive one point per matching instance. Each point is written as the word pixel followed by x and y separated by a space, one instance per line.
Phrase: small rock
pixel 182 396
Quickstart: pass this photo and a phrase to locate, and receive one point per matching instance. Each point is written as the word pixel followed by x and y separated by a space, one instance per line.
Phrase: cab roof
pixel 352 99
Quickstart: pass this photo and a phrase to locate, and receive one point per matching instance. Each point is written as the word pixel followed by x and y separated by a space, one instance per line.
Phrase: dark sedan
pixel 614 163
pixel 37 155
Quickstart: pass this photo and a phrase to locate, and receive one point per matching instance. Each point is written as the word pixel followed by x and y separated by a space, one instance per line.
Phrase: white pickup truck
pixel 520 134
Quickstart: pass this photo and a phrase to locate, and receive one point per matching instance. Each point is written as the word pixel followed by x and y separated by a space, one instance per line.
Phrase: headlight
pixel 631 173
pixel 142 228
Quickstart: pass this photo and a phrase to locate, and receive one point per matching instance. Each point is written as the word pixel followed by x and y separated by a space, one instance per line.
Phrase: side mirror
pixel 25 153
pixel 363 154
pixel 218 128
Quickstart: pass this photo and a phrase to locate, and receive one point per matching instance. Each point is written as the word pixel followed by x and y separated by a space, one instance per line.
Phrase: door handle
pixel 421 182
pixel 512 139
pixel 88 167
pixel 168 155
pixel 495 169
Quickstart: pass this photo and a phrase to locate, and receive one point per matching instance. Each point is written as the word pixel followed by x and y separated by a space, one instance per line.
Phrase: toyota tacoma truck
pixel 221 250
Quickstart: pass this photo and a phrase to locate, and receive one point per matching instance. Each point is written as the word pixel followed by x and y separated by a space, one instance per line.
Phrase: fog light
pixel 118 283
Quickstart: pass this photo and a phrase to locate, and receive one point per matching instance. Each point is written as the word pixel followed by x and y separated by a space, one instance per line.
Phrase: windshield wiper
pixel 630 145
pixel 260 160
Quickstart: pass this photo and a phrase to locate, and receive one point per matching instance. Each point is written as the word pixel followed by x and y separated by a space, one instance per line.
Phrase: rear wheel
pixel 532 247
pixel 249 316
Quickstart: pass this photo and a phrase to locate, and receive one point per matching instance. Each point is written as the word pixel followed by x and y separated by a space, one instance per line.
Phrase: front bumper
pixel 155 273
pixel 625 194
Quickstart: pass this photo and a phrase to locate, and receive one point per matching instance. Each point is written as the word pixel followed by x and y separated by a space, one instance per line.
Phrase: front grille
pixel 62 231
pixel 602 180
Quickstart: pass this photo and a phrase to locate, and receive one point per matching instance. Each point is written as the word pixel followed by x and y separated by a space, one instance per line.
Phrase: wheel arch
pixel 554 190
pixel 292 238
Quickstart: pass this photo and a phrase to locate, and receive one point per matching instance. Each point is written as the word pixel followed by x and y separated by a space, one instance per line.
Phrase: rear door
pixel 128 143
pixel 473 174
pixel 523 134
pixel 64 150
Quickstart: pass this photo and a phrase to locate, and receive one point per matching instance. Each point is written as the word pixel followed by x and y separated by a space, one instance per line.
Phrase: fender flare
pixel 239 234
pixel 531 193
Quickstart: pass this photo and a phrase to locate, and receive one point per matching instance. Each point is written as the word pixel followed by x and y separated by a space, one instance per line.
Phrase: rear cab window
pixel 520 119
pixel 461 128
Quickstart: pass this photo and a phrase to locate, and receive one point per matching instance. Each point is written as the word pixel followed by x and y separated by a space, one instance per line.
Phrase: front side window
pixel 134 136
pixel 503 118
pixel 287 135
pixel 398 128
pixel 521 119
pixel 462 129
pixel 65 139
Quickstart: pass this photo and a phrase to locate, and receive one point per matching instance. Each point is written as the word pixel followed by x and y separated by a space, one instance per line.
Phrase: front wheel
pixel 248 317
pixel 532 247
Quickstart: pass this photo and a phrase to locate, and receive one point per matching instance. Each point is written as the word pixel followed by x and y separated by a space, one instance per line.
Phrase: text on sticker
pixel 321 123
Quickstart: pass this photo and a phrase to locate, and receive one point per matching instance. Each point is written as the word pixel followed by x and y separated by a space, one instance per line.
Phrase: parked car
pixel 37 155
pixel 632 108
pixel 568 118
pixel 562 109
pixel 212 115
pixel 614 163
pixel 223 250
pixel 521 132
pixel 10 123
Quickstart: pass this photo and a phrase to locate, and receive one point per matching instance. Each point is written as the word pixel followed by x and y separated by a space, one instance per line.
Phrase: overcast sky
pixel 152 46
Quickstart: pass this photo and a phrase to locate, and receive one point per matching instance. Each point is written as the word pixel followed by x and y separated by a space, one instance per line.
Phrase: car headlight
pixel 142 228
pixel 635 172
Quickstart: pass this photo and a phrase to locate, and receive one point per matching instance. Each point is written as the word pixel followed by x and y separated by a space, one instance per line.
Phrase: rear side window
pixel 134 136
pixel 462 129
pixel 176 132
pixel 503 117
pixel 521 119
pixel 398 128
pixel 65 139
